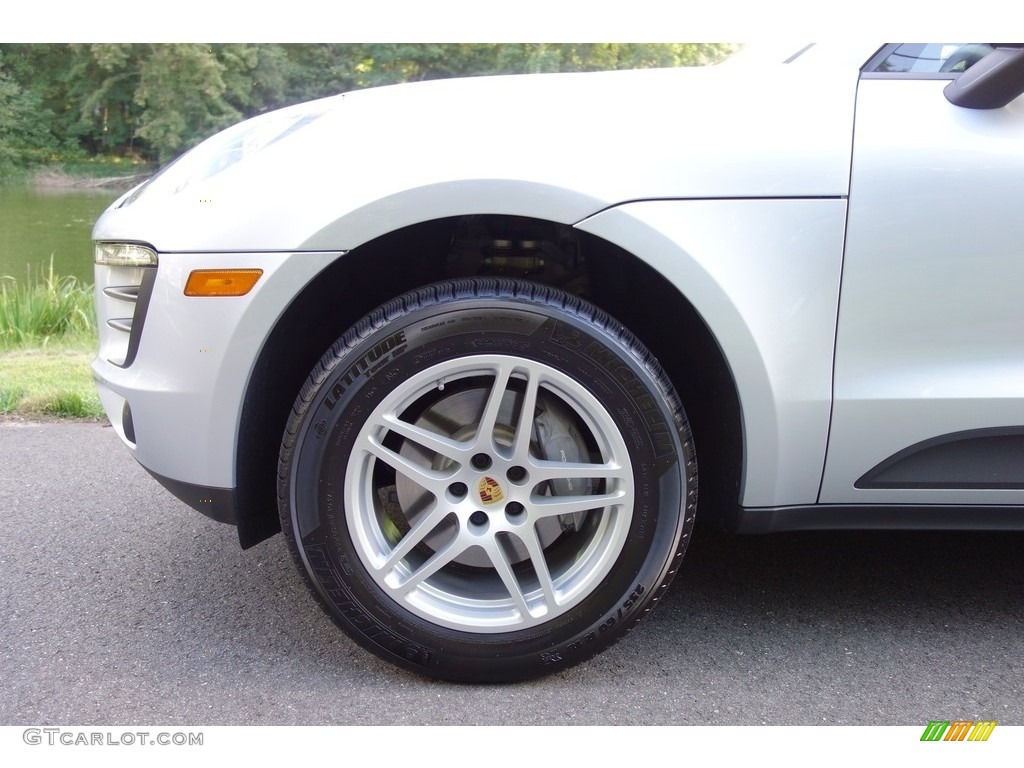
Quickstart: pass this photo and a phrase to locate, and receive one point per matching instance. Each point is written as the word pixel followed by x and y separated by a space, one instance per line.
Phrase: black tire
pixel 482 559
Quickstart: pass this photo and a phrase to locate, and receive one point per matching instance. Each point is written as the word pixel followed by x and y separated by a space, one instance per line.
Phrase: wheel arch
pixel 614 279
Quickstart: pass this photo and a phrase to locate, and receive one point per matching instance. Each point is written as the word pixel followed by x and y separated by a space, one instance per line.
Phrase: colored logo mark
pixel 958 730
pixel 490 491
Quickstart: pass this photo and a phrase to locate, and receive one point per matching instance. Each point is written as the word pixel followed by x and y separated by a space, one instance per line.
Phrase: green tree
pixel 380 64
pixel 100 86
pixel 25 137
pixel 387 63
pixel 157 100
pixel 255 76
pixel 182 95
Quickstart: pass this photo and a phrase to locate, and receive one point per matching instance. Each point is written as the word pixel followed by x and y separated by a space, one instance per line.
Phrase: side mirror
pixel 992 83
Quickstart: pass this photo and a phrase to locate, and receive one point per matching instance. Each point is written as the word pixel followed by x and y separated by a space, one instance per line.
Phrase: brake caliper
pixel 560 440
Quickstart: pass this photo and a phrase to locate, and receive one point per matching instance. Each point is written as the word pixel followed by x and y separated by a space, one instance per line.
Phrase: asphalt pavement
pixel 123 606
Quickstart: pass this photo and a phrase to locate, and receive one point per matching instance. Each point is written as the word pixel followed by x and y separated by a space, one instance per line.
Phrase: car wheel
pixel 487 480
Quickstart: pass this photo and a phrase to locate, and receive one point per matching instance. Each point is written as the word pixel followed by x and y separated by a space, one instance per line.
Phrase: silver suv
pixel 465 342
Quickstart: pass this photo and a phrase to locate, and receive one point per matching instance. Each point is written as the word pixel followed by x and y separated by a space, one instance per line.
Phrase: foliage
pixel 56 380
pixel 25 139
pixel 10 397
pixel 68 404
pixel 47 341
pixel 45 308
pixel 153 101
pixel 182 94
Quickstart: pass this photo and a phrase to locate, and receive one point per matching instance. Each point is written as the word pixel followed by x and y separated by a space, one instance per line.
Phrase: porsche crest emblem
pixel 489 490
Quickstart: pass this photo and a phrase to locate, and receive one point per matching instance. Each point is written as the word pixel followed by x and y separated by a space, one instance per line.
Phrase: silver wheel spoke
pixel 416 535
pixel 485 432
pixel 545 506
pixel 508 578
pixel 562 470
pixel 432 480
pixel 524 428
pixel 540 567
pixel 438 560
pixel 444 446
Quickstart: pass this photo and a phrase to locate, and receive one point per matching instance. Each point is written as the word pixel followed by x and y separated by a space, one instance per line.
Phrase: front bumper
pixel 173 380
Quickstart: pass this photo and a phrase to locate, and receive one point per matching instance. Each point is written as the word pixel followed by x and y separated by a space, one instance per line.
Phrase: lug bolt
pixel 514 508
pixel 481 461
pixel 458 490
pixel 478 518
pixel 516 474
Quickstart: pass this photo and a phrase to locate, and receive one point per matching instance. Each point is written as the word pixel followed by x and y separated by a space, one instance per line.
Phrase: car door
pixel 929 364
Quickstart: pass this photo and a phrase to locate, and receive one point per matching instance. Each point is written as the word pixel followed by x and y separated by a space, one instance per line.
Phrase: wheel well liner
pixel 356 283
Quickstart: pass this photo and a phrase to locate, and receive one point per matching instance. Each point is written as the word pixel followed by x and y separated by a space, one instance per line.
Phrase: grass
pixel 47 342
pixel 72 404
pixel 51 381
pixel 10 397
pixel 38 310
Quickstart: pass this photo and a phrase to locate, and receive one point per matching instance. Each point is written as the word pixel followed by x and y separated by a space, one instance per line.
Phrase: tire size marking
pixel 633 597
pixel 376 356
pixel 557 654
pixel 638 590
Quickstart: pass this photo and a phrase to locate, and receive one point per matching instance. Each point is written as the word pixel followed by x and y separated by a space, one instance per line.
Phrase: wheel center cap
pixel 489 491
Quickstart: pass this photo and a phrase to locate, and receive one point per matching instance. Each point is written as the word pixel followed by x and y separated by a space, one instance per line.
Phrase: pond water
pixel 38 223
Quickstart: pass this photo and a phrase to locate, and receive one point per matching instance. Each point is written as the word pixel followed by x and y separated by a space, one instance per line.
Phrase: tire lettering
pixel 623 609
pixel 641 511
pixel 575 645
pixel 392 347
pixel 657 429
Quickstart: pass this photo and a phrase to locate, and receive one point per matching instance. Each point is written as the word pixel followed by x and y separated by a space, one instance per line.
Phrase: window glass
pixel 931 58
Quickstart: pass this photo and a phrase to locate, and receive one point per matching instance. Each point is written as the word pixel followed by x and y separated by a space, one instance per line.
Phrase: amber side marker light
pixel 221 282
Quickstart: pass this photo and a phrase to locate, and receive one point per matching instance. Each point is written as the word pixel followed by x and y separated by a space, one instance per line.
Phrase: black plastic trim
pixel 976 459
pixel 216 503
pixel 824 517
pixel 879 56
pixel 128 423
pixel 992 83
pixel 139 318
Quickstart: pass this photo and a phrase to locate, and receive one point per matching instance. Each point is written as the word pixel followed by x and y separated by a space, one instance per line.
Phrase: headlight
pixel 124 255
pixel 227 148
